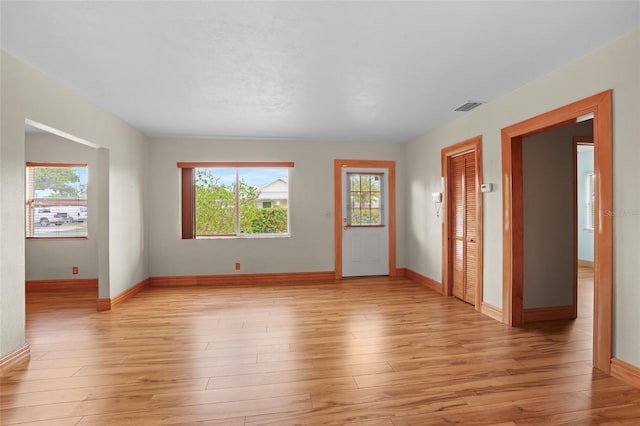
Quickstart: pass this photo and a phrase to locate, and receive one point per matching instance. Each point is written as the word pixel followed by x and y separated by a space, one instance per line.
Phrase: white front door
pixel 365 222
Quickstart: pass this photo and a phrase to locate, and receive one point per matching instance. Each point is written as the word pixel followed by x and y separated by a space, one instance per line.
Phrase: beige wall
pixel 549 229
pixel 310 247
pixel 126 226
pixel 616 67
pixel 29 95
pixel 54 259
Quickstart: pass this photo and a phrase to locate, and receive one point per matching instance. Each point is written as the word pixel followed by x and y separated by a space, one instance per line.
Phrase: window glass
pixel 590 196
pixel 56 200
pixel 364 199
pixel 241 201
pixel 215 201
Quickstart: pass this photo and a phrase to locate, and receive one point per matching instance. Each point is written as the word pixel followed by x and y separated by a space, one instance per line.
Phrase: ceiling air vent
pixel 469 106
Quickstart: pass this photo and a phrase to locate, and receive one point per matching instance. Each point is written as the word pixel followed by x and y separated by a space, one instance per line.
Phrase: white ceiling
pixel 332 71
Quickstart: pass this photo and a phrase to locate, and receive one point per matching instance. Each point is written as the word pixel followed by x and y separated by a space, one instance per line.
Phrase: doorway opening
pixel 67 180
pixel 550 221
pixel 513 215
pixel 585 222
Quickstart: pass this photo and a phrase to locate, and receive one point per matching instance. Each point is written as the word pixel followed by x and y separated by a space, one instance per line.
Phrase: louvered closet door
pixel 457 224
pixel 464 227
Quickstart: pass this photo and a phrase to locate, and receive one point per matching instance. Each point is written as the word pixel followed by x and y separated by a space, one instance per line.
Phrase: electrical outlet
pixel 75 270
pixel 237 266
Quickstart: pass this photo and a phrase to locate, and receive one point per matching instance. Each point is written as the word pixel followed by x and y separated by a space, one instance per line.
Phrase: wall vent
pixel 469 106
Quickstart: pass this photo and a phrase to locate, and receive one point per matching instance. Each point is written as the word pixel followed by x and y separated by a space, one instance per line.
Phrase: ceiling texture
pixel 382 72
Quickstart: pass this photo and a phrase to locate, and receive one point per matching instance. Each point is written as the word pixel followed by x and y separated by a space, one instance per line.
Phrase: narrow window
pixel 590 197
pixel 235 199
pixel 56 200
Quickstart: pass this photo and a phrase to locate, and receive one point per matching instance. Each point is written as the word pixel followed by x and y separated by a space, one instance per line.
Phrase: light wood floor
pixel 362 351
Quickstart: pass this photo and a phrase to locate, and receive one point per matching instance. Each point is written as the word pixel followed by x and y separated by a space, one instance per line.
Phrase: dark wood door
pixel 463 227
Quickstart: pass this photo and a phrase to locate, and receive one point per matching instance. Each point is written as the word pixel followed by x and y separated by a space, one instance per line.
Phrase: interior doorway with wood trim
pixel 462 221
pixel 550 222
pixel 67 189
pixel 371 203
pixel 599 106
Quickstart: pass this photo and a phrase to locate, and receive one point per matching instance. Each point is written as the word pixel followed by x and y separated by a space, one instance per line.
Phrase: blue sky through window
pixel 256 177
pixel 261 177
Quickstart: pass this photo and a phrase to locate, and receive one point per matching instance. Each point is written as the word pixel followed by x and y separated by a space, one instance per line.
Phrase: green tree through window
pixel 59 181
pixel 228 201
pixel 56 199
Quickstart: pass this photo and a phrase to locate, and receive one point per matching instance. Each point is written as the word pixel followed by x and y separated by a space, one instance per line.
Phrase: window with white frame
pixel 235 199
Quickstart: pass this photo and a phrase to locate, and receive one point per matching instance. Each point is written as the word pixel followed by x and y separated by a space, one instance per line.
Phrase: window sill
pixel 56 238
pixel 242 237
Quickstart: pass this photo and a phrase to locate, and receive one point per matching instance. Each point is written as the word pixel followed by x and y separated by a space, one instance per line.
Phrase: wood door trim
pixel 338 165
pixel 574 194
pixel 512 215
pixel 473 144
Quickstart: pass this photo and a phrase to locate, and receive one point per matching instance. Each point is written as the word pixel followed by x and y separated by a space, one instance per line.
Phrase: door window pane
pixel 364 199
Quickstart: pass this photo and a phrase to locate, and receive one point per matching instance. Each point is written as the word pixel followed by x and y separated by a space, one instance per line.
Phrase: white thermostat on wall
pixel 486 187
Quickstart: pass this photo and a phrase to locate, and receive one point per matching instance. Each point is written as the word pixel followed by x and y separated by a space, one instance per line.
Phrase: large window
pixel 56 200
pixel 235 199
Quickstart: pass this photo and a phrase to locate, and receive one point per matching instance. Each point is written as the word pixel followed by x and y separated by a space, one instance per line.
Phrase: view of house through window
pixel 231 201
pixel 56 200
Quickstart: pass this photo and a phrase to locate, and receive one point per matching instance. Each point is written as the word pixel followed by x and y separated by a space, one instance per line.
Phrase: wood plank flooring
pixel 361 351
